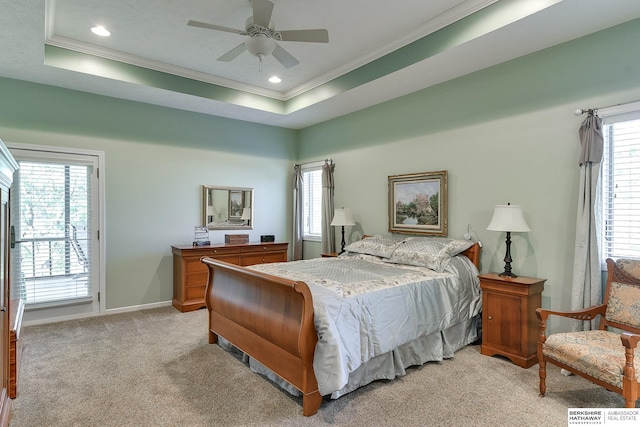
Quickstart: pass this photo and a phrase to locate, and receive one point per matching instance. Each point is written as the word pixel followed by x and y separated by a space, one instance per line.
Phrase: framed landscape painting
pixel 236 202
pixel 418 203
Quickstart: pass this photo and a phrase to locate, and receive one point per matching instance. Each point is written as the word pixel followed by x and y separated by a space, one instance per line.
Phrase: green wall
pixel 504 134
pixel 156 161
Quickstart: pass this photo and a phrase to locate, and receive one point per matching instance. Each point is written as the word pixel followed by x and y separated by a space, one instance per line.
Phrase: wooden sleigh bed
pixel 271 319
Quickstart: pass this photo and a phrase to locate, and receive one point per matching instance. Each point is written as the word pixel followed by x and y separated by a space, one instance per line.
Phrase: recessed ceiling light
pixel 275 79
pixel 100 31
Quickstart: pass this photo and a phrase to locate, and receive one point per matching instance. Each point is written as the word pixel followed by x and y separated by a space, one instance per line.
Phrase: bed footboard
pixel 270 319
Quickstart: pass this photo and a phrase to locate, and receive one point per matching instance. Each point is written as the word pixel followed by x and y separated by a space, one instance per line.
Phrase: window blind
pixel 52 232
pixel 312 183
pixel 621 187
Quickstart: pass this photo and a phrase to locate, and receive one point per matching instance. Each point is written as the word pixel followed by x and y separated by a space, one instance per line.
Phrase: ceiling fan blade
pixel 233 53
pixel 284 57
pixel 262 10
pixel 316 36
pixel 216 27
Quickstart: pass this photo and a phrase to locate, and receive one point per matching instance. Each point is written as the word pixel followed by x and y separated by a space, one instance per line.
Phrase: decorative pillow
pixel 431 252
pixel 382 246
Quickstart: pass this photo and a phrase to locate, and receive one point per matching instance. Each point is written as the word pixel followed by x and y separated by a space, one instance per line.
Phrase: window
pixel 621 187
pixel 56 215
pixel 54 222
pixel 312 197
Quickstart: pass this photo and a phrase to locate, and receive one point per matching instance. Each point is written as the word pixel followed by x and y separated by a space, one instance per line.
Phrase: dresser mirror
pixel 227 208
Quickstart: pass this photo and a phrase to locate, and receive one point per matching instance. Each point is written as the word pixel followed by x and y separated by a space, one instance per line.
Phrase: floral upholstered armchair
pixel 602 356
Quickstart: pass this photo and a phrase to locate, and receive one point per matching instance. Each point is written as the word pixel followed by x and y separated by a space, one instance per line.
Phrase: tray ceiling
pixel 377 50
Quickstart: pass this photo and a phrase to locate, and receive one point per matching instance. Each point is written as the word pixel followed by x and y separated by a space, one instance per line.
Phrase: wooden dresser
pixel 7 166
pixel 190 275
pixel 509 323
pixel 15 344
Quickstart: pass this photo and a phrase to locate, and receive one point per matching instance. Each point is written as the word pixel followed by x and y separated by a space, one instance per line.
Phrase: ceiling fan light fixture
pixel 262 36
pixel 260 45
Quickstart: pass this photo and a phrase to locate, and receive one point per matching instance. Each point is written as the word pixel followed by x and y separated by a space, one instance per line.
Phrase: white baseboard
pixel 105 313
pixel 137 307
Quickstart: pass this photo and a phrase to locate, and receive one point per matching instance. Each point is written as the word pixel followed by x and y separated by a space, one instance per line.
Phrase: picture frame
pixel 418 203
pixel 236 202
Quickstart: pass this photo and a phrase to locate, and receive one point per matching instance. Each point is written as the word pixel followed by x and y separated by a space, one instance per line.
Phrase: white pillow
pixel 431 252
pixel 382 246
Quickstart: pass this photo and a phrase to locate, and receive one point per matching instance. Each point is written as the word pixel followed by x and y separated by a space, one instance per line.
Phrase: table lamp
pixel 508 218
pixel 342 217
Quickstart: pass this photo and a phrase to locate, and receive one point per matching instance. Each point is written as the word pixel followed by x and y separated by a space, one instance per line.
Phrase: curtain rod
pixel 316 163
pixel 592 111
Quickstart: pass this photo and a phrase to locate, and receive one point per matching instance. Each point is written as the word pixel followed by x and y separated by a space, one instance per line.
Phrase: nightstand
pixel 330 255
pixel 509 323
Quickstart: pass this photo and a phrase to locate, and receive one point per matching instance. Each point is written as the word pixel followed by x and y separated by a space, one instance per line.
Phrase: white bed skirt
pixel 429 348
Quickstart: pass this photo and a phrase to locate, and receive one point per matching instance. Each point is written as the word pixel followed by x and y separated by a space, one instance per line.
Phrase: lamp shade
pixel 342 217
pixel 508 218
pixel 246 213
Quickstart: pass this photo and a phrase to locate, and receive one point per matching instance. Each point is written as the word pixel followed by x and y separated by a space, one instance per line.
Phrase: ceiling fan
pixel 262 36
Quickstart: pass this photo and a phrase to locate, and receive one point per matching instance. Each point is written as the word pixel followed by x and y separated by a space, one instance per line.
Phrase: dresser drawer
pixel 233 259
pixel 264 248
pixel 196 293
pixel 197 279
pixel 220 252
pixel 263 258
pixel 194 265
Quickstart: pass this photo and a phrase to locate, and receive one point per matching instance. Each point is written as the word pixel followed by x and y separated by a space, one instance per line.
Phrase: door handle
pixel 12 238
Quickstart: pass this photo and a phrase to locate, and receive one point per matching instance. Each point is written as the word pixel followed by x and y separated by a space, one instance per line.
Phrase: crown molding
pixel 438 22
pixel 434 24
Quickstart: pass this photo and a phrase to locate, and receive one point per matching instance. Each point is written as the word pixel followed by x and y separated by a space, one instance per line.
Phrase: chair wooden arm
pixel 585 314
pixel 629 378
pixel 630 340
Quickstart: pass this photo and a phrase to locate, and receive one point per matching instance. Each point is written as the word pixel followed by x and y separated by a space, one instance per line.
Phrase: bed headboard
pixel 473 253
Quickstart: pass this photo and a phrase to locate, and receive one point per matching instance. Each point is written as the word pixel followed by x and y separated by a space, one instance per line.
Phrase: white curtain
pixel 587 278
pixel 328 232
pixel 298 210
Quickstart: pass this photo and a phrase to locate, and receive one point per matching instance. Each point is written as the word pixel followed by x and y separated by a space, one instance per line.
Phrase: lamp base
pixel 507 259
pixel 507 274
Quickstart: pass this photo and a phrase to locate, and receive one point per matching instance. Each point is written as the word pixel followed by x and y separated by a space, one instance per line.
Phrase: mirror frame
pixel 228 222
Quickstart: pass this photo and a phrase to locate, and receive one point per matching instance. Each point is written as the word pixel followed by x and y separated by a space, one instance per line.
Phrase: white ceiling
pixel 153 34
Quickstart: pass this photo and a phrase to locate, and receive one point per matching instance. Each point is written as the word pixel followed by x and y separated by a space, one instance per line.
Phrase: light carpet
pixel 156 368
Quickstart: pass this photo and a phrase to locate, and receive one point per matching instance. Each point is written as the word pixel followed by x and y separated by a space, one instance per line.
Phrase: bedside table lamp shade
pixel 508 218
pixel 246 215
pixel 211 214
pixel 342 217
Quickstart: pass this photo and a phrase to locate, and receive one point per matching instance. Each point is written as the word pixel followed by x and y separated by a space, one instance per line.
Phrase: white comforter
pixel 366 307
